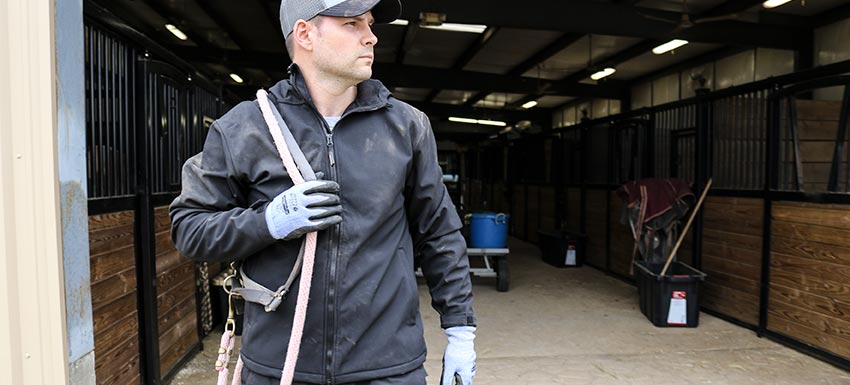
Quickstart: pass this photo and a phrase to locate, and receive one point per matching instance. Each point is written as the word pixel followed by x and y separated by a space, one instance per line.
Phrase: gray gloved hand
pixel 304 208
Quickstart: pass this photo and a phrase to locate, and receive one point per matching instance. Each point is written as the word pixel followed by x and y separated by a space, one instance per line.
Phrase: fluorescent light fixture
pixel 601 74
pixel 399 22
pixel 529 104
pixel 176 31
pixel 473 28
pixel 669 46
pixel 236 78
pixel 478 121
pixel 774 3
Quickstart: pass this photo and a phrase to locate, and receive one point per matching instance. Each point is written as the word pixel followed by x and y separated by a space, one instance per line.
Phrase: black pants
pixel 414 377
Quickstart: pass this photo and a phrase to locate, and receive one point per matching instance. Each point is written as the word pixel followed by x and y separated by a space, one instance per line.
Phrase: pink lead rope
pixel 309 250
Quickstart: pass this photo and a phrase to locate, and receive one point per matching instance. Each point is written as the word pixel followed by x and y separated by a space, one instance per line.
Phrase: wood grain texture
pixel 532 216
pixel 597 221
pixel 573 214
pixel 171 351
pixel 113 288
pixel 111 262
pixel 734 303
pixel 622 242
pixel 122 334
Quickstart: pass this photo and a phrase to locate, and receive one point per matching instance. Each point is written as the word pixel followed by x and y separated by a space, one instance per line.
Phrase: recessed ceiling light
pixel 176 31
pixel 529 104
pixel 774 3
pixel 473 28
pixel 477 121
pixel 236 78
pixel 669 46
pixel 601 74
pixel 399 22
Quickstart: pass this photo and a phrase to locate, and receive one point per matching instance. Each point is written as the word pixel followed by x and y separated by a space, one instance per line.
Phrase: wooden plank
pixel 518 211
pixel 821 215
pixel 107 316
pixel 836 290
pixel 732 239
pixel 839 328
pixel 171 357
pixel 816 150
pixel 812 302
pixel 107 264
pixel 186 325
pixel 741 219
pixel 112 288
pixel 811 268
pixel 734 201
pixel 122 335
pixel 169 260
pixel 815 233
pixel 731 267
pixel 711 248
pixel 108 239
pixel 532 216
pixel 170 317
pixel 110 220
pixel 161 220
pixel 168 297
pixel 812 250
pixel 741 284
pixel 838 346
pixel 573 218
pixel 730 302
pixel 176 275
pixel 119 366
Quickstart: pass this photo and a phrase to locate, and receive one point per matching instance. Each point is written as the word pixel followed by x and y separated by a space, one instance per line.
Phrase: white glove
pixel 307 207
pixel 459 359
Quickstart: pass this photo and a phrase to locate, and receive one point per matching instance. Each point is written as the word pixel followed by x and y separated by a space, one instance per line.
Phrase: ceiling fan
pixel 685 21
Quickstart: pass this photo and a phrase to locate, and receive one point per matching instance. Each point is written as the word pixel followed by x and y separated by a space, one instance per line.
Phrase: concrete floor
pixel 579 326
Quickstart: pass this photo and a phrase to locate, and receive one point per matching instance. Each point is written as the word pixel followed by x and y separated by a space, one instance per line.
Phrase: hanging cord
pixel 309 252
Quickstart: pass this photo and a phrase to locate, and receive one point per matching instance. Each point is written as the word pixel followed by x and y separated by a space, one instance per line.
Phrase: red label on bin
pixel 678 295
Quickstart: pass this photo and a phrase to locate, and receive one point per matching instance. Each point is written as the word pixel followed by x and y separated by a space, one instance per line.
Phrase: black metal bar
pixel 840 139
pixel 771 168
pixel 584 140
pixel 145 242
pixel 97 206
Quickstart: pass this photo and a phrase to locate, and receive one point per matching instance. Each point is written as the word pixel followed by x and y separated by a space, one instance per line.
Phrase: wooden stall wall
pixel 731 256
pixel 622 242
pixel 532 219
pixel 573 215
pixel 596 248
pixel 809 298
pixel 548 214
pixel 113 287
pixel 177 316
pixel 518 212
pixel 500 199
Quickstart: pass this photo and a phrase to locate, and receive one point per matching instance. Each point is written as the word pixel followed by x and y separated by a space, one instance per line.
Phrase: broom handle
pixel 687 227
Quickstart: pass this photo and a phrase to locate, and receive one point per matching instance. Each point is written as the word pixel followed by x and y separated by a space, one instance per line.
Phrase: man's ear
pixel 301 35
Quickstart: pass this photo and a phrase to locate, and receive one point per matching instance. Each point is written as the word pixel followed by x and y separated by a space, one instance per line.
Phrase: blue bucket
pixel 488 230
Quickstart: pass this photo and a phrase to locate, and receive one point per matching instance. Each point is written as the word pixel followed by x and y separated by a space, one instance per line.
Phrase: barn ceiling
pixel 540 50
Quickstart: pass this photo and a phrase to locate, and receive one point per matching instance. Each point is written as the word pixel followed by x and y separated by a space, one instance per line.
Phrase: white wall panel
pixel 666 89
pixel 773 62
pixel 735 70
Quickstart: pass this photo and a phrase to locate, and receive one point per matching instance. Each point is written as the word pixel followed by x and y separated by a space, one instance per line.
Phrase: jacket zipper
pixel 334 251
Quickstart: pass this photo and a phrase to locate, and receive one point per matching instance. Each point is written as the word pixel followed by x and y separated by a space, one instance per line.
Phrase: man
pixel 382 203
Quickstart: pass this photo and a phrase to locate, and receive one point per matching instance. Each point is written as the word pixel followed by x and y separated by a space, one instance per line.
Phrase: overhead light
pixel 669 46
pixel 601 74
pixel 529 104
pixel 431 18
pixel 774 3
pixel 176 31
pixel 399 22
pixel 236 78
pixel 477 121
pixel 473 28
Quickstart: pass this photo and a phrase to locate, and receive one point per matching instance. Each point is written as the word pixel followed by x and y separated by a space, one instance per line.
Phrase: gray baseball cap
pixel 384 11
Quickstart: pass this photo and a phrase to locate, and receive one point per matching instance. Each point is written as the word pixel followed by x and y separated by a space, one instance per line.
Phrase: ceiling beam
pixel 467 56
pixel 534 60
pixel 415 76
pixel 596 17
pixel 407 42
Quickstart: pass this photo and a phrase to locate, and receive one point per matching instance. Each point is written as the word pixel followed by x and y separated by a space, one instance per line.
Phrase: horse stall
pixel 144 117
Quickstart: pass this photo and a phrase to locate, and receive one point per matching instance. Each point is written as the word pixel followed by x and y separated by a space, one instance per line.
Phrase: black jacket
pixel 363 318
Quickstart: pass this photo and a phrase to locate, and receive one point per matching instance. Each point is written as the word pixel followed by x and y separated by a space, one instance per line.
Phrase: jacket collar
pixel 371 93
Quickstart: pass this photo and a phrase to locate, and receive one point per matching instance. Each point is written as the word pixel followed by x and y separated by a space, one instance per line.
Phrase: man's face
pixel 344 47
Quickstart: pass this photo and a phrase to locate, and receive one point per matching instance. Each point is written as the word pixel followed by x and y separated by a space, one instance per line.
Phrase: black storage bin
pixel 678 290
pixel 561 248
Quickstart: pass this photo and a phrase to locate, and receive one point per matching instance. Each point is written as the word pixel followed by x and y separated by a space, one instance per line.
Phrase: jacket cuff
pixel 452 320
pixel 258 217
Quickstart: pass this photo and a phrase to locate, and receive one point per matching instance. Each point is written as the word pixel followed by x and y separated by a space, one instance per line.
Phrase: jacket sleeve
pixel 209 221
pixel 435 228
